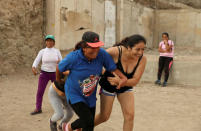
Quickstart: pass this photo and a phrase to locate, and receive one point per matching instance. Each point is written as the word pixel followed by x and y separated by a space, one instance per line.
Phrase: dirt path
pixel 175 108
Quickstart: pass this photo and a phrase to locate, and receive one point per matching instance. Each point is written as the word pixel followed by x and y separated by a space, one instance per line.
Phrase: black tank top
pixel 60 86
pixel 104 83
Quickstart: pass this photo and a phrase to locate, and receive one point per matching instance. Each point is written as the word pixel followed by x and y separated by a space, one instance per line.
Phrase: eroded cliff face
pixel 21 27
pixel 193 3
pixel 170 4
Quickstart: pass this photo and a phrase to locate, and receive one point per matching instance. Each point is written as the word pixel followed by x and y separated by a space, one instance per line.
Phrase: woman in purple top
pixel 166 50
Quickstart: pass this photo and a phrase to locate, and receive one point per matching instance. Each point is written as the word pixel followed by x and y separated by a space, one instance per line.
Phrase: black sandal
pixel 36 112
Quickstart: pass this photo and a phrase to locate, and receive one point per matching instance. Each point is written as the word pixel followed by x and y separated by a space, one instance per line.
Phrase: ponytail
pixel 79 45
pixel 131 41
pixel 122 43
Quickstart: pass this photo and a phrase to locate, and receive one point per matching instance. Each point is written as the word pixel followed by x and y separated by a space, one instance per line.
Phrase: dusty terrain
pixel 174 108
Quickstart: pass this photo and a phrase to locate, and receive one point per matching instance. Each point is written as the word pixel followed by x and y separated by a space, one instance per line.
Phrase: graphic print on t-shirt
pixel 89 84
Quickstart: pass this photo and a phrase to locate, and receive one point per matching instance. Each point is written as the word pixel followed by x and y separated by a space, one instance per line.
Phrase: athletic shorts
pixel 107 93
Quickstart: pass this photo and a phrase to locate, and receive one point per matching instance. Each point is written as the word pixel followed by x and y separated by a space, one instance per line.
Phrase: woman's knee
pixel 166 71
pixel 88 122
pixel 56 116
pixel 59 115
pixel 129 116
pixel 104 117
pixel 69 114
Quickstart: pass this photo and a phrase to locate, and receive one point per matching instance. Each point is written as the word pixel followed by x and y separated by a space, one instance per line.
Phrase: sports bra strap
pixel 137 64
pixel 120 52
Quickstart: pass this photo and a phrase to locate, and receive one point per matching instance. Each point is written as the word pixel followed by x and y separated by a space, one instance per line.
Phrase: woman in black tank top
pixel 128 56
pixel 105 84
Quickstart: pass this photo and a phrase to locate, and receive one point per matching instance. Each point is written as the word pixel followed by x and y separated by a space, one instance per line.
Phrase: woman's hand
pixel 34 71
pixel 114 80
pixel 165 42
pixel 119 79
pixel 168 47
pixel 66 72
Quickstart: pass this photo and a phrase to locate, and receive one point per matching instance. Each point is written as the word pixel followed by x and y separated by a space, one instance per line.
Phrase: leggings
pixel 62 110
pixel 86 116
pixel 42 83
pixel 164 63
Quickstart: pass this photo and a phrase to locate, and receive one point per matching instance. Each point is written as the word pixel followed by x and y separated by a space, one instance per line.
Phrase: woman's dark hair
pixel 131 41
pixel 81 44
pixel 165 33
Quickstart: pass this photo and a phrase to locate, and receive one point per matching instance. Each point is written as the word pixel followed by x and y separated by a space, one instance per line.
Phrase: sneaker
pixel 164 84
pixel 36 112
pixel 53 125
pixel 158 82
pixel 60 127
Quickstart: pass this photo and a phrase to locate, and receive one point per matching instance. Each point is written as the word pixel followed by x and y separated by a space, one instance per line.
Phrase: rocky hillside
pixel 21 27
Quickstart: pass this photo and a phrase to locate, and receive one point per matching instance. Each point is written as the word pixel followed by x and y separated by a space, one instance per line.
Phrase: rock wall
pixel 21 27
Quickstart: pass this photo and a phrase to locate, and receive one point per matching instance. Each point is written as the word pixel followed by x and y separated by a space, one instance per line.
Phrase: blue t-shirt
pixel 84 74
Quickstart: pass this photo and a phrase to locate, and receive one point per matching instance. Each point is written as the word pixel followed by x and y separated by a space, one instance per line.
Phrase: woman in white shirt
pixel 49 56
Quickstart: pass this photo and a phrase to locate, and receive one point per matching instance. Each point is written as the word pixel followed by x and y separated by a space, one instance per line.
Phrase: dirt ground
pixel 174 108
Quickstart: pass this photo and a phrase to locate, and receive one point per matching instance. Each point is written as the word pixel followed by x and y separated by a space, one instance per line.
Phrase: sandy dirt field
pixel 174 108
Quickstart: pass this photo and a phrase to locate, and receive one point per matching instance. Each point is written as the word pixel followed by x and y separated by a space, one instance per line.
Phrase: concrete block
pixel 185 70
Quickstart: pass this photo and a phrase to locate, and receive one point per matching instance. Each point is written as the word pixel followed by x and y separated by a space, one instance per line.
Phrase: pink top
pixel 163 47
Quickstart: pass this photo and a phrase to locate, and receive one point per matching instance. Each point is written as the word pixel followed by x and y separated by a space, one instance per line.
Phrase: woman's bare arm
pixel 114 52
pixel 136 77
pixel 122 78
pixel 58 74
pixel 161 50
pixel 138 73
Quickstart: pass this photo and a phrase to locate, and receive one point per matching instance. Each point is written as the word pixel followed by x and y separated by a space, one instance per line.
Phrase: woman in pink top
pixel 166 50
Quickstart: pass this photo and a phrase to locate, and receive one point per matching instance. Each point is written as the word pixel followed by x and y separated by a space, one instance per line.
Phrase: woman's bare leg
pixel 126 100
pixel 106 103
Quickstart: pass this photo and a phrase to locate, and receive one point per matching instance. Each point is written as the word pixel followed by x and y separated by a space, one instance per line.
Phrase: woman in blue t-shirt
pixel 85 65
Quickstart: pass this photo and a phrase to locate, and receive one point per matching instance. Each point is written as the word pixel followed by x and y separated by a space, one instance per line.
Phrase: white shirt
pixel 49 57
